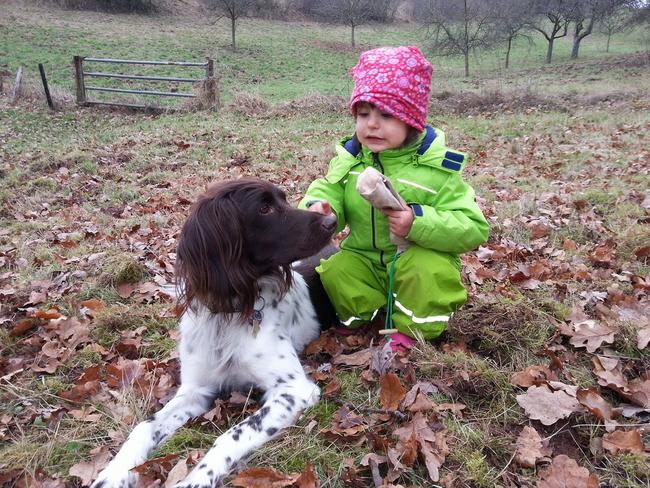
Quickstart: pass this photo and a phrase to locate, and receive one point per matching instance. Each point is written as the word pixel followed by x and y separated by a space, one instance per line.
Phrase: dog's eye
pixel 266 209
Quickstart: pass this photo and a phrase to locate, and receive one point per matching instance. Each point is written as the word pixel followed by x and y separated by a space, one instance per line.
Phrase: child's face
pixel 379 130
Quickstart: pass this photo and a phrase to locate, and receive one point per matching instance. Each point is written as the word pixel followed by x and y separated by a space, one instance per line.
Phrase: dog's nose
pixel 329 222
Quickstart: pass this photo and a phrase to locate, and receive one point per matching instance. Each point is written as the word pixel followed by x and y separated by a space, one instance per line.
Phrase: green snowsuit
pixel 427 287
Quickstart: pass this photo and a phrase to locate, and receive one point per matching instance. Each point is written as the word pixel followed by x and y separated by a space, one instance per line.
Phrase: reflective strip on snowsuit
pixel 447 222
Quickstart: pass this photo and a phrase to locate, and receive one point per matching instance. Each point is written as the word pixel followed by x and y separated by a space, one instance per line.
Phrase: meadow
pixel 91 202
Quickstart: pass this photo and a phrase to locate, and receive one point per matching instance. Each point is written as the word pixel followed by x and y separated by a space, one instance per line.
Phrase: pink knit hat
pixel 397 80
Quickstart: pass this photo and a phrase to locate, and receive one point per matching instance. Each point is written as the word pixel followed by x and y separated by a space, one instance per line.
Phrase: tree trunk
pixel 609 36
pixel 576 40
pixel 232 31
pixel 352 37
pixel 549 51
pixel 575 48
pixel 466 40
pixel 508 52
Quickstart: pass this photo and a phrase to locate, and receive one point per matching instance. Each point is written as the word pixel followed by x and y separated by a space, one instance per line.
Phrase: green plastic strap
pixel 388 324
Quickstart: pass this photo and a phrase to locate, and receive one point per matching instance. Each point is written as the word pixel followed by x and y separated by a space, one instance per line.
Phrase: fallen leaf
pixel 532 375
pixel 88 470
pixel 391 391
pixel 50 314
pixel 597 405
pixel 622 441
pixel 332 388
pixel 564 472
pixel 432 445
pixel 540 403
pixel 263 478
pixel 530 448
pixel 604 253
pixel 421 404
pixel 423 387
pixel 22 326
pixel 359 358
pixel 178 473
pixel 307 478
pixel 588 333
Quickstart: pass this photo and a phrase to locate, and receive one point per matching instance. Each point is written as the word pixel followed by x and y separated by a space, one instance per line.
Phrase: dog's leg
pixel 190 401
pixel 288 392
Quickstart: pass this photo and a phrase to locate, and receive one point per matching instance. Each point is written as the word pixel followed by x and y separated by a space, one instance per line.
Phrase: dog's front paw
pixel 201 477
pixel 115 478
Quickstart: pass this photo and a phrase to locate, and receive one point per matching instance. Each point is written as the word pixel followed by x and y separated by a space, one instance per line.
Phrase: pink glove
pixel 400 342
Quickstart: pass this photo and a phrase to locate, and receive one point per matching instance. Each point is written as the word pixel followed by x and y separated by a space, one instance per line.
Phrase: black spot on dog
pixel 289 398
pixel 100 484
pixel 292 376
pixel 282 356
pixel 157 436
pixel 258 355
pixel 282 338
pixel 271 430
pixel 203 466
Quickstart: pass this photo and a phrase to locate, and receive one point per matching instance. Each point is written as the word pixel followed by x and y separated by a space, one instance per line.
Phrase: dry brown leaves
pixel 589 334
pixel 622 441
pixel 530 448
pixel 548 406
pixel 564 472
pixel 271 478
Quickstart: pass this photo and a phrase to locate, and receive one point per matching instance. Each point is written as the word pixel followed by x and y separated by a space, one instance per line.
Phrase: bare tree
pixel 233 9
pixel 512 19
pixel 459 26
pixel 354 12
pixel 617 21
pixel 640 12
pixel 552 21
pixel 585 14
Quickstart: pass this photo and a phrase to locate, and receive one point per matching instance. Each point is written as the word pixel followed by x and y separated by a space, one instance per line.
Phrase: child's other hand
pixel 321 208
pixel 400 221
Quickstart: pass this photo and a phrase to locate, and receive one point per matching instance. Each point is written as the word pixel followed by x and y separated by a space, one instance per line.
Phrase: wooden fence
pixel 206 86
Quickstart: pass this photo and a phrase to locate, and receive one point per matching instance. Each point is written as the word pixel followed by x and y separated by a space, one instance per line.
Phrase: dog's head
pixel 236 233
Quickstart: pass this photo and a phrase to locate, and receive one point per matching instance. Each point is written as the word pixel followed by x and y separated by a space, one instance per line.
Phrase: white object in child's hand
pixel 378 191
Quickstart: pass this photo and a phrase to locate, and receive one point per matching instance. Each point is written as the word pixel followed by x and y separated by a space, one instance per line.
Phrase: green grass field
pixel 92 200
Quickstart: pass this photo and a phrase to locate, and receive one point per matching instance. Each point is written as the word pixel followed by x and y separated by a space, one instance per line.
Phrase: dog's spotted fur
pixel 234 258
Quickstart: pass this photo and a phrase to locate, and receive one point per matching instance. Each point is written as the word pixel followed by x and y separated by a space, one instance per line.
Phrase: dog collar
pixel 255 320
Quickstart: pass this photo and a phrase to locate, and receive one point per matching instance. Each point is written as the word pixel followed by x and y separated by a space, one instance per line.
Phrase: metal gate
pixel 206 85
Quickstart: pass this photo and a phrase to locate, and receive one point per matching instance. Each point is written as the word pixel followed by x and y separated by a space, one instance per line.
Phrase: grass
pixel 566 142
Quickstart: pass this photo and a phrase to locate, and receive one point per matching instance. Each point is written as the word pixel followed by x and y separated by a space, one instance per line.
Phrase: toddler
pixel 422 286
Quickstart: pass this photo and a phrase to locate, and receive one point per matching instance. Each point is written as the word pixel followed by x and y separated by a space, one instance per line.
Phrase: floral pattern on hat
pixel 397 80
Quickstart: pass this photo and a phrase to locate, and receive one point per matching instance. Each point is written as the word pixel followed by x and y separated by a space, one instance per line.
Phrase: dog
pixel 247 314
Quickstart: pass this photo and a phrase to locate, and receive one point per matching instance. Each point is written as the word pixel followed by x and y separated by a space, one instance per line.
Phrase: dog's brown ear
pixel 211 262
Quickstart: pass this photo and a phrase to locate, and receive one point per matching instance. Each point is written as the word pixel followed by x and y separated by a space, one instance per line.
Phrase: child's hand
pixel 400 221
pixel 321 208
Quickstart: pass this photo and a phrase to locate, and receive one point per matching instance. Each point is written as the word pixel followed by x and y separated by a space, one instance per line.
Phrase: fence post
pixel 210 83
pixel 79 78
pixel 16 91
pixel 50 104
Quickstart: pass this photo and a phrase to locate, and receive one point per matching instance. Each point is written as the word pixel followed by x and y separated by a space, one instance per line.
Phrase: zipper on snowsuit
pixel 377 163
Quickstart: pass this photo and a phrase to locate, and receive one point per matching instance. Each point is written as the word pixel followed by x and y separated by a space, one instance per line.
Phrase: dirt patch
pixel 473 103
